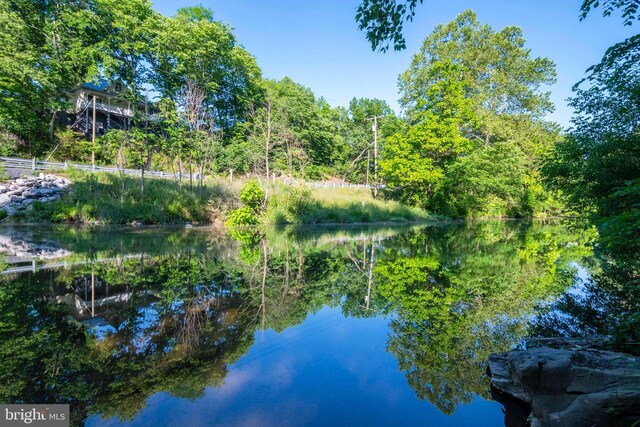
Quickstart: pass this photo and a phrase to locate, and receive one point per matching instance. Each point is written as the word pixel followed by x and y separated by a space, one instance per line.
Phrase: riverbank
pixel 567 381
pixel 113 199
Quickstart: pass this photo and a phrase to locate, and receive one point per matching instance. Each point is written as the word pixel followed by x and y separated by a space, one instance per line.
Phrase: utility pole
pixel 93 135
pixel 368 163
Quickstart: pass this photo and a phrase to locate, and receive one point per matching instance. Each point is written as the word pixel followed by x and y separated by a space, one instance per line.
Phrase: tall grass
pixel 115 199
pixel 291 205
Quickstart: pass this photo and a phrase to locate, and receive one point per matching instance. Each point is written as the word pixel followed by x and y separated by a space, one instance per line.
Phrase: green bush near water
pixel 253 197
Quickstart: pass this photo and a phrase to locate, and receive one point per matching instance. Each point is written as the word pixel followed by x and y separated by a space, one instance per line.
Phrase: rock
pixel 188 225
pixel 23 192
pixel 573 386
pixel 46 191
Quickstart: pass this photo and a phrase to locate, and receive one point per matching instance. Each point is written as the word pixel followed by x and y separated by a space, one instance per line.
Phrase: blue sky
pixel 317 43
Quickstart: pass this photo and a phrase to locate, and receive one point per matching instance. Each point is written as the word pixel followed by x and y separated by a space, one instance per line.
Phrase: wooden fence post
pixel 33 164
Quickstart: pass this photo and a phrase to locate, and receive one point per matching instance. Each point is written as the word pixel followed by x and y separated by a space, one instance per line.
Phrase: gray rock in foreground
pixel 20 194
pixel 573 385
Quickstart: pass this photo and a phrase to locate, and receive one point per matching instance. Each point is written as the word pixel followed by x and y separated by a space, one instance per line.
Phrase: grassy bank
pixel 114 199
pixel 336 206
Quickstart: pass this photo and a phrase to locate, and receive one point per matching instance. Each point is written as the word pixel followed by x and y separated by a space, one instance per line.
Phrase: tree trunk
pixel 52 124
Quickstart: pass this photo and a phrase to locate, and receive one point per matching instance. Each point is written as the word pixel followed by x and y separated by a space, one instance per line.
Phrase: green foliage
pixel 193 46
pixel 254 199
pixel 252 195
pixel 10 144
pixel 629 9
pixel 383 21
pixel 46 48
pixel 597 166
pixel 490 182
pixel 244 215
pixel 474 143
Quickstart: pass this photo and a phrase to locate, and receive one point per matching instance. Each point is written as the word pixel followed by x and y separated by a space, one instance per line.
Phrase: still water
pixel 321 326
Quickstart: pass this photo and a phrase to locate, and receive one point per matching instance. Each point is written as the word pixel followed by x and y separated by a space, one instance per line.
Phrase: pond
pixel 386 325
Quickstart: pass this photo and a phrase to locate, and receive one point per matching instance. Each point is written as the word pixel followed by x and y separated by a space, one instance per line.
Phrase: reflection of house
pixel 113 110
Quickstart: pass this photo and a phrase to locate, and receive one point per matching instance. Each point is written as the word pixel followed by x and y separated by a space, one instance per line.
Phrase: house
pixel 113 110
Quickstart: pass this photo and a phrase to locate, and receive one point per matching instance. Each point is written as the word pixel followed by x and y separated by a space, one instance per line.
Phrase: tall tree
pixel 192 46
pixel 47 48
pixel 468 89
pixel 498 73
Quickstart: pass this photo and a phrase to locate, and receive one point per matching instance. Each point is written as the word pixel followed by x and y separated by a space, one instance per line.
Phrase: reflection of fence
pixel 33 266
pixel 34 164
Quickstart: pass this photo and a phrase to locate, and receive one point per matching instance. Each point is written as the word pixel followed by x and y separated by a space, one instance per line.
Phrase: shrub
pixel 253 197
pixel 242 216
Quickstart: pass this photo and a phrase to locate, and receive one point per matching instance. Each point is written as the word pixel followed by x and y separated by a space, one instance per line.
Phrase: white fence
pixel 325 184
pixel 34 165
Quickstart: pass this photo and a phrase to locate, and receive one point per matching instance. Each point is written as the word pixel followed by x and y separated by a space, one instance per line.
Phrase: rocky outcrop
pixel 566 383
pixel 18 195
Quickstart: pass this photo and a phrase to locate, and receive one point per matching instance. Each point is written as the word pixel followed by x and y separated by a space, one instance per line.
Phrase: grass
pixel 112 199
pixel 336 206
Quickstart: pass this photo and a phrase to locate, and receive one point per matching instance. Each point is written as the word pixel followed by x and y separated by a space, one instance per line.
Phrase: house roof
pixel 101 85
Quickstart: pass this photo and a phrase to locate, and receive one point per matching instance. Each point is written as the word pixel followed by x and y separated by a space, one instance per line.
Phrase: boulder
pixel 21 193
pixel 574 385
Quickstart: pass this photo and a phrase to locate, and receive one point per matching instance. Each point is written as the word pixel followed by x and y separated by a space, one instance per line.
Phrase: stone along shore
pixel 18 195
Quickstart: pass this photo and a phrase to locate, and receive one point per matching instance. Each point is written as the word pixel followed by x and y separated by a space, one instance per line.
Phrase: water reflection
pixel 119 316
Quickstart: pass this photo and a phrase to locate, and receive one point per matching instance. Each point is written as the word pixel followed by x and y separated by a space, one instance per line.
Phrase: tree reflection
pixel 173 315
pixel 462 294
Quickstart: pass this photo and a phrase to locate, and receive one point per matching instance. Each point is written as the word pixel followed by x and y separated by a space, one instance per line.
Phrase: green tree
pixel 192 46
pixel 414 162
pixel 597 165
pixel 357 132
pixel 47 48
pixel 470 93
